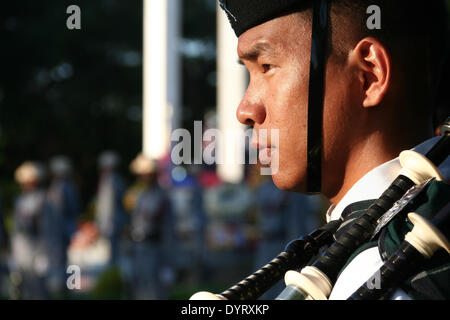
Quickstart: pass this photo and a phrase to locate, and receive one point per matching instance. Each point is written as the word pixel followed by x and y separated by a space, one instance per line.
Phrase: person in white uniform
pixel 348 85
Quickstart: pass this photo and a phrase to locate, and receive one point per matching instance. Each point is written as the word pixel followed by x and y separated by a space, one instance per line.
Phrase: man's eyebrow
pixel 255 51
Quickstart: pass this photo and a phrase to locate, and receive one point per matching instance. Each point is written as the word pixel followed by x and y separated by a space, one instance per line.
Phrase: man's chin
pixel 288 182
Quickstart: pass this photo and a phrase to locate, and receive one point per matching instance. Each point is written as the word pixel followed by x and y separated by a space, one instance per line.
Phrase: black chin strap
pixel 316 94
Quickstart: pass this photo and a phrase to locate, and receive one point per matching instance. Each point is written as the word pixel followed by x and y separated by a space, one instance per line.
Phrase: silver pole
pixel 161 75
pixel 231 85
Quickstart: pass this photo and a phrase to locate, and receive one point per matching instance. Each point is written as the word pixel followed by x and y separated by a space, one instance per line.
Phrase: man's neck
pixel 368 155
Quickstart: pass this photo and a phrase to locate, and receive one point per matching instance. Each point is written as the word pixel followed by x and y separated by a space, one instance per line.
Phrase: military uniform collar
pixel 375 182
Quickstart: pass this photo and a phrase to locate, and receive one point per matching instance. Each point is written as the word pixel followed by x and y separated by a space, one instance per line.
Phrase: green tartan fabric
pixel 433 282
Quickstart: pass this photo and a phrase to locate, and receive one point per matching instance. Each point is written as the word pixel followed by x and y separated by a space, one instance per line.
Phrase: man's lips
pixel 261 141
pixel 260 148
pixel 265 155
pixel 254 144
pixel 264 146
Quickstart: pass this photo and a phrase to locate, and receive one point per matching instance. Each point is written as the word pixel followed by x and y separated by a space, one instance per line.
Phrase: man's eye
pixel 266 67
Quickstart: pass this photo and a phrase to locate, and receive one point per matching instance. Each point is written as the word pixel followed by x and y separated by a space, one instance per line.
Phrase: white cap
pixel 143 165
pixel 29 172
pixel 108 160
pixel 60 166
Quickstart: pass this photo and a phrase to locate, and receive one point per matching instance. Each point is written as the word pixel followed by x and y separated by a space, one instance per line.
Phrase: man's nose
pixel 251 111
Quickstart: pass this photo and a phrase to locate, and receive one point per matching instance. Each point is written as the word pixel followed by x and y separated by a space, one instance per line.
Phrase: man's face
pixel 277 55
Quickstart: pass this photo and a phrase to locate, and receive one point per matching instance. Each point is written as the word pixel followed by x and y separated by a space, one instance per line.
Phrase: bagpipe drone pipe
pixel 316 281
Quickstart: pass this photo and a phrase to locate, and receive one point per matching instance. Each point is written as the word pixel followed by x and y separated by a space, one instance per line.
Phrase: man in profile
pixel 346 100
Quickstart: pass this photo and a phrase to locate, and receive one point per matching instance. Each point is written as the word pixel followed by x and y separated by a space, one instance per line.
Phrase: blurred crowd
pixel 171 225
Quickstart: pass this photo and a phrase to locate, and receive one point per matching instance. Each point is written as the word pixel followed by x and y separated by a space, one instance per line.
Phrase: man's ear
pixel 373 64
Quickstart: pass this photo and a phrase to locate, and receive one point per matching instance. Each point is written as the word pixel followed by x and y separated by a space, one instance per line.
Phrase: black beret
pixel 246 14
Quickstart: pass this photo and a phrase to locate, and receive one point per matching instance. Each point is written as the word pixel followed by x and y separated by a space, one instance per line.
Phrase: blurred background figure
pixel 3 254
pixel 134 191
pixel 30 262
pixel 150 229
pixel 281 217
pixel 190 222
pixel 60 222
pixel 110 215
pixel 230 232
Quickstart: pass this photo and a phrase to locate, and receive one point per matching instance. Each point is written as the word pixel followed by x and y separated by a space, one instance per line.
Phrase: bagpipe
pixel 315 281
